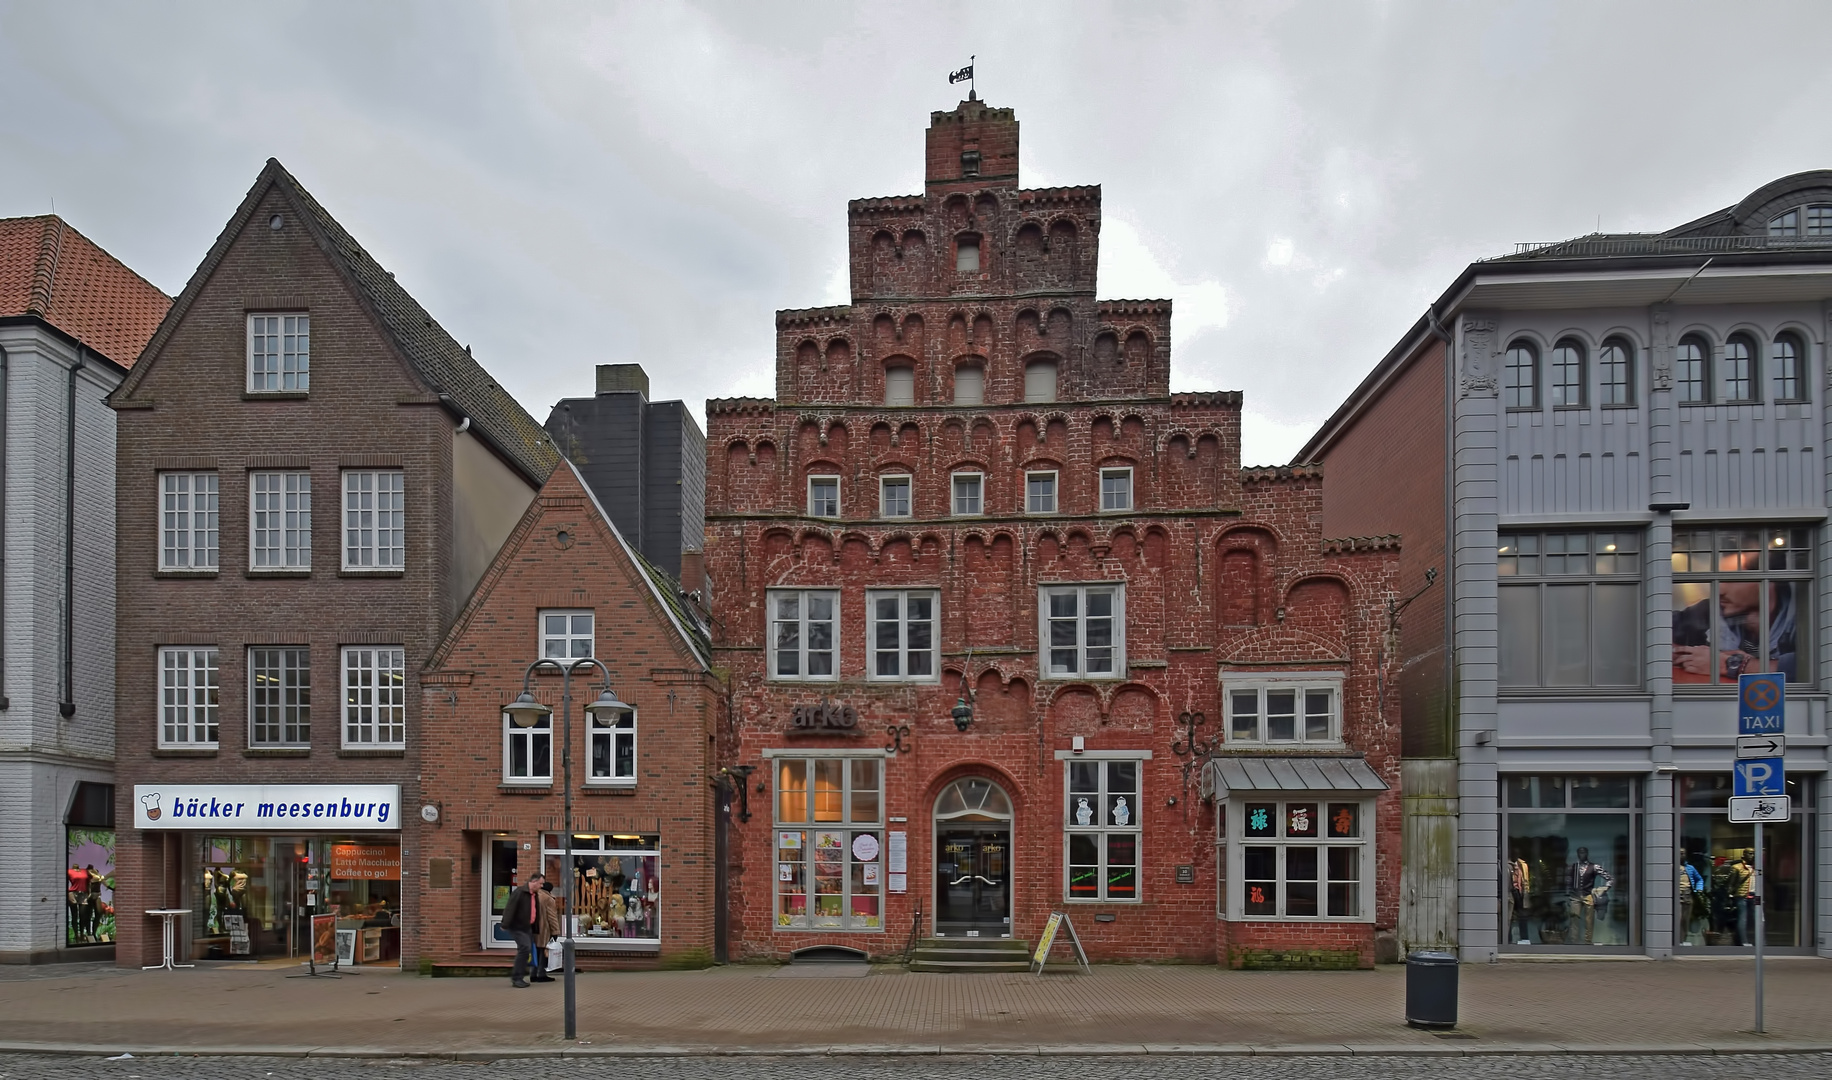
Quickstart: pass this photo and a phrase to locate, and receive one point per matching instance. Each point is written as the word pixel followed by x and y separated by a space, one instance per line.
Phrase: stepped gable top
pixel 50 271
pixel 443 364
pixel 1274 474
pixel 1350 545
pixel 1198 399
pixel 813 316
pixel 740 405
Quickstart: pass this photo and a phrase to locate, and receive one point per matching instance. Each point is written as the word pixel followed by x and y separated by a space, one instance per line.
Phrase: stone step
pixel 942 952
pixel 990 944
pixel 969 966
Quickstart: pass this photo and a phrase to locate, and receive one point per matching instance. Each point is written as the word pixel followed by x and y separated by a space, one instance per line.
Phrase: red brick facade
pixel 566 555
pixel 1226 572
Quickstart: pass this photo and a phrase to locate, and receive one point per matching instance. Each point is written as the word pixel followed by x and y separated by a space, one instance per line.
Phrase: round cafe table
pixel 170 927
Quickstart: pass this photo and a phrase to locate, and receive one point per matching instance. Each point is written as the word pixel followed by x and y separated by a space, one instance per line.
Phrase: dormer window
pixel 967 255
pixel 970 163
pixel 1787 224
pixel 1802 221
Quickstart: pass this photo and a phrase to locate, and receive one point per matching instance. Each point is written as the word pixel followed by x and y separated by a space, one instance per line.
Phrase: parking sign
pixel 1759 776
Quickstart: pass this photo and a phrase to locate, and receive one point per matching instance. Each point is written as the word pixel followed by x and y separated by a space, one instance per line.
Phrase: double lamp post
pixel 526 712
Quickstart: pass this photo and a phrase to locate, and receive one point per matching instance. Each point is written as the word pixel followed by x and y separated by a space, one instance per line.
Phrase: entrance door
pixel 973 860
pixel 498 882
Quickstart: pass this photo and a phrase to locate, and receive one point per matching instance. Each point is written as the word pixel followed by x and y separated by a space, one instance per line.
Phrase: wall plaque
pixel 1186 875
pixel 827 718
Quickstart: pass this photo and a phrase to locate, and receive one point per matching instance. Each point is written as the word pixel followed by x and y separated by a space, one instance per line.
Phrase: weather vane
pixel 965 75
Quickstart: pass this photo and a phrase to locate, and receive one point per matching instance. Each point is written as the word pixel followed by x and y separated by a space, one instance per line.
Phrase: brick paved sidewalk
pixel 1697 1005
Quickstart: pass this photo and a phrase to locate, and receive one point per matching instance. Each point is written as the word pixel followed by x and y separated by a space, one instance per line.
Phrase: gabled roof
pixel 53 272
pixel 567 481
pixel 445 366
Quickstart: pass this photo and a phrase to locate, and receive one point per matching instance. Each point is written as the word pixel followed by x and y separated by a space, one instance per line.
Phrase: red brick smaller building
pixel 566 584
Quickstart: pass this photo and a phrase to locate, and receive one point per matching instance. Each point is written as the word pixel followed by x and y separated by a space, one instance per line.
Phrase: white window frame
pixel 570 637
pixel 612 734
pixel 1233 812
pixel 890 480
pixel 1301 684
pixel 291 701
pixel 901 627
pixel 1102 824
pixel 279 521
pixel 1081 591
pixel 288 367
pixel 529 737
pixel 1114 472
pixel 979 493
pixel 1055 490
pixel 374 520
pixel 798 865
pixel 190 710
pixel 771 597
pixel 375 705
pixel 813 478
pixel 189 537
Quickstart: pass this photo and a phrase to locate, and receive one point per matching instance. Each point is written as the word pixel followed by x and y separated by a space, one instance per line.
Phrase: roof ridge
pixel 44 273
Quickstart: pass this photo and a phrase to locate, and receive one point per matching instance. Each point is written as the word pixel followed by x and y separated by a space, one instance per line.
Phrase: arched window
pixel 967 255
pixel 1567 373
pixel 1739 369
pixel 1691 357
pixel 1616 373
pixel 1040 380
pixel 1788 358
pixel 1520 388
pixel 1787 224
pixel 900 386
pixel 969 385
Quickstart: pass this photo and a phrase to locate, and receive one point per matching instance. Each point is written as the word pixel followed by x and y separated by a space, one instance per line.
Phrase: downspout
pixel 4 702
pixel 66 706
pixel 1450 511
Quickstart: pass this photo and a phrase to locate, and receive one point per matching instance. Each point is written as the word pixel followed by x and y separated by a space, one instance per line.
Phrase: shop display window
pixel 1715 871
pixel 1102 826
pixel 254 896
pixel 89 861
pixel 1569 877
pixel 617 885
pixel 830 875
pixel 1742 602
pixel 1308 858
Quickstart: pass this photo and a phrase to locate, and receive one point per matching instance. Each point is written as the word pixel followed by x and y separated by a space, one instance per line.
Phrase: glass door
pixel 499 881
pixel 973 882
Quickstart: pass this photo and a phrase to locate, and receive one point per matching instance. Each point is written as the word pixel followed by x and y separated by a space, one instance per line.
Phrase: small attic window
pixel 276 222
pixel 1819 221
pixel 967 255
pixel 1787 224
pixel 970 163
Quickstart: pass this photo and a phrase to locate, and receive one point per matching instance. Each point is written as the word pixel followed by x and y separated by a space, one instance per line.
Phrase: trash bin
pixel 1431 990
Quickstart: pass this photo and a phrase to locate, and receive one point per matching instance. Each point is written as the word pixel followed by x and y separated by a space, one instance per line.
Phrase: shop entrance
pixel 973 862
pixel 499 880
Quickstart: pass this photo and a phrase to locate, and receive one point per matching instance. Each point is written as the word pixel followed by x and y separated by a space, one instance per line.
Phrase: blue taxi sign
pixel 1761 703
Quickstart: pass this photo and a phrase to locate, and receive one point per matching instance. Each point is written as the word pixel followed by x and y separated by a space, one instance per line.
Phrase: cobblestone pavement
pixel 1115 1067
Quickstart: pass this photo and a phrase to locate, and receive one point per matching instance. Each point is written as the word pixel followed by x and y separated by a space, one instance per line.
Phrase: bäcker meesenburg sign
pixel 293 807
pixel 827 718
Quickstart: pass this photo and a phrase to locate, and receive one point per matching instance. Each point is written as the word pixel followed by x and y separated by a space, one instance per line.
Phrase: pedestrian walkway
pixel 1699 1006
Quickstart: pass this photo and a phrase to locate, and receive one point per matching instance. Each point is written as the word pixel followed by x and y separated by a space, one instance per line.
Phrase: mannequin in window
pixel 1691 896
pixel 1743 894
pixel 1586 884
pixel 1519 883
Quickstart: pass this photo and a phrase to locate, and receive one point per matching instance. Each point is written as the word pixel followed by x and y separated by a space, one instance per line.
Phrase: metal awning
pixel 1290 772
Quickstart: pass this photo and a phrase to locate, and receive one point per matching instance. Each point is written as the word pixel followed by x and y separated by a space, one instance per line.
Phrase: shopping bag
pixel 554 959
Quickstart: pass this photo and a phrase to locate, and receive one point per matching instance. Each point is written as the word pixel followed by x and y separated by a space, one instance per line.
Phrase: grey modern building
pixel 72 320
pixel 645 461
pixel 1612 449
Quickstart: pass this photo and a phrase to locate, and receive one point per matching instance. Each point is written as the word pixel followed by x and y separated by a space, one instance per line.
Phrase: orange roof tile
pixel 52 271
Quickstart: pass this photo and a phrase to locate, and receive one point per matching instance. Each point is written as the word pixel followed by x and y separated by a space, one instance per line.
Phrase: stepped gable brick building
pixel 568 584
pixel 1010 631
pixel 72 320
pixel 312 476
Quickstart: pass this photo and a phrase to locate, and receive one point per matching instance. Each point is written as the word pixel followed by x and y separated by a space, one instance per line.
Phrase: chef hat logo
pixel 151 804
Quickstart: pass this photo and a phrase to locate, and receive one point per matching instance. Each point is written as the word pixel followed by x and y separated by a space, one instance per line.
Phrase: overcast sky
pixel 567 185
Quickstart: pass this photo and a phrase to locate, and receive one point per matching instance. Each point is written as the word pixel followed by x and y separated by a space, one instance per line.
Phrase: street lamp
pixel 524 711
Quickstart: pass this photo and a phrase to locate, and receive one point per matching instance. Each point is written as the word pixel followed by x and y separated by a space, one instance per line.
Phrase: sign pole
pixel 1757 886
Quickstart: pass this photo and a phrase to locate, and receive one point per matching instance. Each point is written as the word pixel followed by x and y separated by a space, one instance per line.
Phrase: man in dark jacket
pixel 521 917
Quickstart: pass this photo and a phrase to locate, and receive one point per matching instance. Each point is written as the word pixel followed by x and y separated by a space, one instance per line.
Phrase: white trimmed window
pixel 280 520
pixel 801 633
pixel 528 751
pixel 903 640
pixel 1083 630
pixel 969 494
pixel 1101 830
pixel 187 521
pixel 1040 493
pixel 567 636
pixel 829 843
pixel 375 696
pixel 1115 489
pixel 1291 710
pixel 279 353
pixel 374 520
pixel 824 496
pixel 893 496
pixel 1301 858
pixel 279 696
pixel 188 696
pixel 611 745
